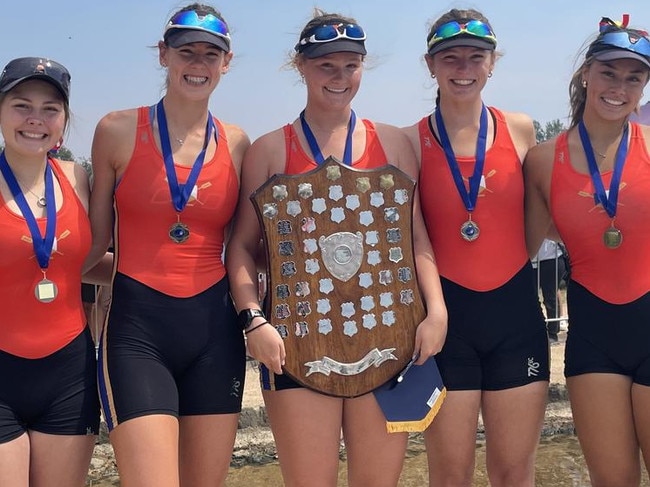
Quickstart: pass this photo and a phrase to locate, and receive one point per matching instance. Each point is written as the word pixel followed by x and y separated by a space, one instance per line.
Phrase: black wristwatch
pixel 246 317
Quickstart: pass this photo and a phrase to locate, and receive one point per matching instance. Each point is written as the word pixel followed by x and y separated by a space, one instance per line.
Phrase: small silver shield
pixel 342 254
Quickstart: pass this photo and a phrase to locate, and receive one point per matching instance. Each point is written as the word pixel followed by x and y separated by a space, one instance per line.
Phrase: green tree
pixel 86 163
pixel 552 128
pixel 65 154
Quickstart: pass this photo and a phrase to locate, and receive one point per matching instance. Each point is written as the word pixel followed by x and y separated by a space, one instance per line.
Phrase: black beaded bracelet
pixel 256 327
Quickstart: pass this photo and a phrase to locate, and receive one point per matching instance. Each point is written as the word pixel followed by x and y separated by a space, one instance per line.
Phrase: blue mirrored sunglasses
pixel 189 19
pixel 329 33
pixel 452 29
pixel 621 39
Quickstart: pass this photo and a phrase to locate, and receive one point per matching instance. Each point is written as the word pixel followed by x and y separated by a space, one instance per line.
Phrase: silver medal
pixel 469 230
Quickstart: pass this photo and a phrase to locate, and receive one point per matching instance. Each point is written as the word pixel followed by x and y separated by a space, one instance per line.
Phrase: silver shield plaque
pixel 340 265
pixel 342 253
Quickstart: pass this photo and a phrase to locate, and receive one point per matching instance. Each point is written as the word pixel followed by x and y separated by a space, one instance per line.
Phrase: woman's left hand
pixel 430 337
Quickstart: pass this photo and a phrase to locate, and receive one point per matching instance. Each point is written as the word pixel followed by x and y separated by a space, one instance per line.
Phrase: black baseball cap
pixel 26 68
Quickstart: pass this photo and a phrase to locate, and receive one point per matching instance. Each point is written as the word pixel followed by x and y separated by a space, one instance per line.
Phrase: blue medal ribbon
pixel 609 203
pixel 313 144
pixel 180 193
pixel 468 197
pixel 42 244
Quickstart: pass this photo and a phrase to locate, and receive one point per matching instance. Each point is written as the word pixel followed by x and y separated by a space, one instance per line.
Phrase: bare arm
pixel 538 167
pixel 112 147
pixel 413 135
pixel 262 159
pixel 238 143
pixel 78 177
pixel 522 132
pixel 432 331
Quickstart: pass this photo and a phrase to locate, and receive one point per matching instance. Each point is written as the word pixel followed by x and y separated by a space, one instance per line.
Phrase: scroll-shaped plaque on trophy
pixel 342 289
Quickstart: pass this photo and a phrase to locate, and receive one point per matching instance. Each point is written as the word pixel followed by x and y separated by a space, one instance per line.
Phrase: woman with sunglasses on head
pixel 589 187
pixel 49 410
pixel 307 424
pixel 495 359
pixel 172 360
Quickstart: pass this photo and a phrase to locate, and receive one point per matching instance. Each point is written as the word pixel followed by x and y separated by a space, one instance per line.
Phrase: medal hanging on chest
pixel 179 232
pixel 608 199
pixel 45 290
pixel 469 230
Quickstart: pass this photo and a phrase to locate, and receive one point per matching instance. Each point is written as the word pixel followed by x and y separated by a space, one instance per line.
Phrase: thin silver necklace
pixel 40 200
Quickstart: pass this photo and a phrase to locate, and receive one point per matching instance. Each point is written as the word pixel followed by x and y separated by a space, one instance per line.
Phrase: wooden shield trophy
pixel 342 289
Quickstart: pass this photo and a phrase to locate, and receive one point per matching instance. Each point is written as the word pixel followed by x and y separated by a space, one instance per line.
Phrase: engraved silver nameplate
pixel 327 365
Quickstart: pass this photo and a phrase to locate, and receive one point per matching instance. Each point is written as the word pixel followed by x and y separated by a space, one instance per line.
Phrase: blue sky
pixel 106 45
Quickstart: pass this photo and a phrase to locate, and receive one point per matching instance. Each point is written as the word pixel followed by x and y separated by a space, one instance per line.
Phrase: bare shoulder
pixel 116 129
pixel 397 147
pixel 114 139
pixel 391 137
pixel 119 122
pixel 268 152
pixel 71 169
pixel 412 132
pixel 270 140
pixel 519 123
pixel 522 132
pixel 236 134
pixel 385 130
pixel 78 177
pixel 238 141
pixel 539 159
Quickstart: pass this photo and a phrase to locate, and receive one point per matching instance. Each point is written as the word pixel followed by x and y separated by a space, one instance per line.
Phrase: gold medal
pixel 469 230
pixel 46 291
pixel 612 238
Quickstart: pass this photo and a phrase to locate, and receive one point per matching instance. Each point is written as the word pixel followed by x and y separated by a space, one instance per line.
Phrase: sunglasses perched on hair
pixel 451 29
pixel 329 33
pixel 621 39
pixel 189 19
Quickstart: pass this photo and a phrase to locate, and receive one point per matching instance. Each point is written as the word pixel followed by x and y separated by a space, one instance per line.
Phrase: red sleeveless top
pixel 144 214
pixel 28 327
pixel 500 250
pixel 618 275
pixel 299 162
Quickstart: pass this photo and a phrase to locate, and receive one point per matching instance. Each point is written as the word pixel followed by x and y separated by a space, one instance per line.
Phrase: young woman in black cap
pixel 172 359
pixel 306 424
pixel 495 360
pixel 49 411
pixel 589 187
